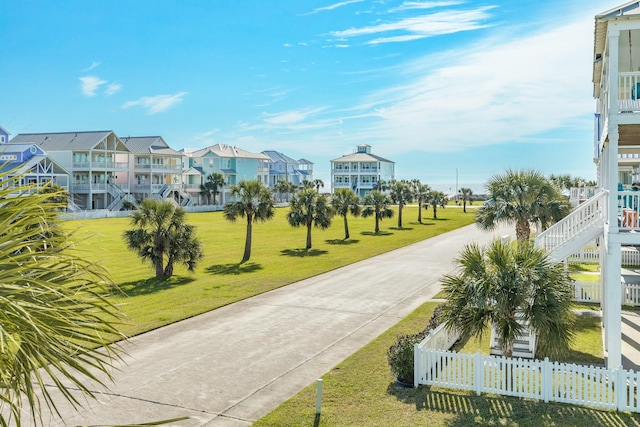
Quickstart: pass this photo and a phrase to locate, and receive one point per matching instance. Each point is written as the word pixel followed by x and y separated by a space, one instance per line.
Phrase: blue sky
pixel 436 86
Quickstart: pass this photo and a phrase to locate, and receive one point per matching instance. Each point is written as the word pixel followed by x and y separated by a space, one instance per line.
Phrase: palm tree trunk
pixel 464 205
pixel 420 212
pixel 435 212
pixel 400 205
pixel 523 231
pixel 159 267
pixel 377 220
pixel 346 228
pixel 309 235
pixel 247 242
pixel 168 271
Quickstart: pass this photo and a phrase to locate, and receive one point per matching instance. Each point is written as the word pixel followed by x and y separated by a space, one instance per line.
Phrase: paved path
pixel 233 365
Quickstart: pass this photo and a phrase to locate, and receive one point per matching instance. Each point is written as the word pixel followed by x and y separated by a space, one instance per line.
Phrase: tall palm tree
pixel 466 194
pixel 435 199
pixel 308 208
pixel 401 194
pixel 522 197
pixel 160 232
pixel 254 202
pixel 345 201
pixel 54 310
pixel 281 187
pixel 377 204
pixel 420 193
pixel 318 183
pixel 503 285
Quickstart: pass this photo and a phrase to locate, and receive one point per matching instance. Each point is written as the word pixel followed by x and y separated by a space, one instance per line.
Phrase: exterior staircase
pixel 524 346
pixel 119 196
pixel 583 224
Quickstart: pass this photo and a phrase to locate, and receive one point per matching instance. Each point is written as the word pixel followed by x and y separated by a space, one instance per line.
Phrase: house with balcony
pixel 156 170
pixel 234 163
pixel 611 213
pixel 361 171
pixel 285 168
pixel 95 160
pixel 33 166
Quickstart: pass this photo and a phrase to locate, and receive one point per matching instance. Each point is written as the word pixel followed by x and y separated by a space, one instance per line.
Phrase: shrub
pixel 400 357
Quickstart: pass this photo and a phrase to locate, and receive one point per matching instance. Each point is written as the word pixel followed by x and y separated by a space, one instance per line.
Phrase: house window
pixel 210 163
pixel 1 138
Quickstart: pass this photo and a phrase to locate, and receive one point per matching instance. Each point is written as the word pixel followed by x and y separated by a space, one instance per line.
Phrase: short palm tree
pixel 161 233
pixel 377 204
pixel 521 197
pixel 420 193
pixel 466 194
pixel 309 209
pixel 401 194
pixel 281 187
pixel 503 285
pixel 380 185
pixel 215 181
pixel 54 309
pixel 344 202
pixel 434 200
pixel 255 202
pixel 318 183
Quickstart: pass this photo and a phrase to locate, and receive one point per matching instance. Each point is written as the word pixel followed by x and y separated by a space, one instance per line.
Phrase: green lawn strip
pixel 360 391
pixel 278 259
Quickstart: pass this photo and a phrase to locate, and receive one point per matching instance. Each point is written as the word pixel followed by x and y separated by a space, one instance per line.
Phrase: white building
pixel 361 171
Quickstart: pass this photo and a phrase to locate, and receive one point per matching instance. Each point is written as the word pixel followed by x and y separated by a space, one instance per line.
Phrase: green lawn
pixel 360 391
pixel 278 259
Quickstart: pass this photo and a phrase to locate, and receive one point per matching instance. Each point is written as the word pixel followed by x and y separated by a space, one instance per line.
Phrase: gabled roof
pixel 149 144
pixel 361 157
pixel 277 156
pixel 228 151
pixel 20 148
pixel 29 164
pixel 624 11
pixel 305 162
pixel 4 130
pixel 194 171
pixel 64 141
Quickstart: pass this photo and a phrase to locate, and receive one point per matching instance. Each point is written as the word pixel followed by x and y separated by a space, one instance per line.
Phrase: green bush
pixel 400 357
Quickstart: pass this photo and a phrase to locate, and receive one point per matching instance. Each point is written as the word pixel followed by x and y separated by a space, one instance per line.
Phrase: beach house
pixel 361 171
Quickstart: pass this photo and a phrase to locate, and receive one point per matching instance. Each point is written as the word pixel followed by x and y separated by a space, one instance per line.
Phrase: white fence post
pixel 478 368
pixel 417 366
pixel 620 389
pixel 547 380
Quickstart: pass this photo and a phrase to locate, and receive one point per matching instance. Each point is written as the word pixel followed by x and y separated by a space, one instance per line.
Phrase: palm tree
pixel 401 194
pixel 215 181
pixel 54 311
pixel 466 194
pixel 435 199
pixel 345 201
pixel 318 184
pixel 521 197
pixel 255 202
pixel 420 193
pixel 160 232
pixel 307 184
pixel 380 185
pixel 309 208
pixel 502 283
pixel 281 187
pixel 377 204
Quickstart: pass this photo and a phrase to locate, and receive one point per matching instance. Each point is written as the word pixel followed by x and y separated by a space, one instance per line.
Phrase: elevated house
pixel 285 168
pixel 157 170
pixel 95 160
pixel 610 215
pixel 234 163
pixel 361 171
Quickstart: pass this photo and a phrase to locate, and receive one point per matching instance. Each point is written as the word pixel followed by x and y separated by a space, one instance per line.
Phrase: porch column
pixel 612 305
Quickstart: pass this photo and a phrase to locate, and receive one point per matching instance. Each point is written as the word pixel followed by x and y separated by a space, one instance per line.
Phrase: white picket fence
pixel 592 292
pixel 591 255
pixel 533 379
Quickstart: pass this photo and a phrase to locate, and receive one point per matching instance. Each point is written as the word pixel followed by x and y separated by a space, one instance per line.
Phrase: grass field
pixel 278 258
pixel 361 391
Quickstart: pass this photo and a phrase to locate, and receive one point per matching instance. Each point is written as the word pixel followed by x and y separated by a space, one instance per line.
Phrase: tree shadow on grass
pixel 401 228
pixel 468 409
pixel 420 224
pixel 303 253
pixel 342 241
pixel 153 285
pixel 379 233
pixel 234 268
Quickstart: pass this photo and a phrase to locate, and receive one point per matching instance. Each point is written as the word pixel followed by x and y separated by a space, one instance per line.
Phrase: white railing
pixel 628 96
pixel 592 292
pixel 534 379
pixel 591 255
pixel 589 214
pixel 440 338
pixel 578 195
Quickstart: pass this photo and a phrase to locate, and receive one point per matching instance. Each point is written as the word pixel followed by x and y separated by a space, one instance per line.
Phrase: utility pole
pixel 456 186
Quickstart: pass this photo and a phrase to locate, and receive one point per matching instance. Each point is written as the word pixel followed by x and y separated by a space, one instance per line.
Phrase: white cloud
pixel 113 88
pixel 156 104
pixel 93 65
pixel 334 6
pixel 408 5
pixel 435 24
pixel 91 84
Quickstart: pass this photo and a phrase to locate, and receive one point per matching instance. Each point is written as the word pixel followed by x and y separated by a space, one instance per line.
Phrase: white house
pixel 361 171
pixel 611 214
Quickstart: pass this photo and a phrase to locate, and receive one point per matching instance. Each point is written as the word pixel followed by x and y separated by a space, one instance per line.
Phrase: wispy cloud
pixel 156 104
pixel 93 65
pixel 333 6
pixel 113 88
pixel 409 5
pixel 91 84
pixel 430 25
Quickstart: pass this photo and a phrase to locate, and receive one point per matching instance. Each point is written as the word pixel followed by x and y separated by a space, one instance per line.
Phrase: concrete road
pixel 231 366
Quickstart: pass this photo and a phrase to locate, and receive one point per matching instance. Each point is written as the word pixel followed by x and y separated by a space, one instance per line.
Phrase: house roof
pixel 4 130
pixel 229 151
pixel 624 11
pixel 305 162
pixel 277 156
pixel 361 157
pixel 149 144
pixel 194 171
pixel 29 164
pixel 19 148
pixel 63 141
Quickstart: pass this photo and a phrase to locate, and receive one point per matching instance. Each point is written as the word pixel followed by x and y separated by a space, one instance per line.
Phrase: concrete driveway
pixel 231 366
